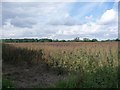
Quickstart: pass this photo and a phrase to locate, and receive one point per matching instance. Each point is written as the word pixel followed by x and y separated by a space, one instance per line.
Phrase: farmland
pixel 61 64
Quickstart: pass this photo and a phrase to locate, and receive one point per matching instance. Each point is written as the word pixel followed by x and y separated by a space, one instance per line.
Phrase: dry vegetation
pixel 89 64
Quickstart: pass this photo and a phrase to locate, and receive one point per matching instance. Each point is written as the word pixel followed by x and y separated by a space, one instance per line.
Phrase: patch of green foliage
pixel 7 84
pixel 103 77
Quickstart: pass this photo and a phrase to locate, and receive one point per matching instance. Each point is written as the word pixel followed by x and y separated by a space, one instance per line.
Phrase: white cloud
pixel 90 30
pixel 109 17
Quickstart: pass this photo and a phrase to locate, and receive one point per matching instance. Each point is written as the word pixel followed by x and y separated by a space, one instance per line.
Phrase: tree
pixel 86 39
pixel 94 40
pixel 77 39
pixel 117 39
pixel 55 40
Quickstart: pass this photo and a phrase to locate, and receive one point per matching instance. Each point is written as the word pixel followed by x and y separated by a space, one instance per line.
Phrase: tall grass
pixel 16 55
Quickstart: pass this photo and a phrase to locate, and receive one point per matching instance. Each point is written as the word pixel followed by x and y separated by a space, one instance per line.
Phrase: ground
pixel 25 76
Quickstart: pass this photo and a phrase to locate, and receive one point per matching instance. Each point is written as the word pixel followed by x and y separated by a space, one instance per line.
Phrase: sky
pixel 59 20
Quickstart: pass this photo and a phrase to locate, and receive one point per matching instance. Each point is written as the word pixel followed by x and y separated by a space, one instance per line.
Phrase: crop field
pixel 60 64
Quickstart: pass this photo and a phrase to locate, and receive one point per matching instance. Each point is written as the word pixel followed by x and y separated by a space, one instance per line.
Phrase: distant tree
pixel 108 40
pixel 117 39
pixel 62 41
pixel 69 40
pixel 94 40
pixel 77 39
pixel 55 40
pixel 86 39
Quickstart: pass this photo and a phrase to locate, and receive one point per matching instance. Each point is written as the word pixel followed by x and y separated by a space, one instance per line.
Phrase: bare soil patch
pixel 24 76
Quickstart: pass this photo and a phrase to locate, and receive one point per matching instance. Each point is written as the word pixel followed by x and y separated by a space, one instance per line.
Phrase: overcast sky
pixel 56 20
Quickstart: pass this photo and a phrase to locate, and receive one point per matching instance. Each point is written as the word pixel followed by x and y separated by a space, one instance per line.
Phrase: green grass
pixel 7 84
pixel 103 77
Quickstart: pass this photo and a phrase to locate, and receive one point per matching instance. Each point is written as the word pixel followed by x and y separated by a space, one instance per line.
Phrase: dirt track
pixel 25 76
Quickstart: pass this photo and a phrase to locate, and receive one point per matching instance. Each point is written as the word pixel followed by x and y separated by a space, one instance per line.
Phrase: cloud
pixel 64 20
pixel 108 17
pixel 57 21
pixel 25 14
pixel 89 17
pixel 90 30
pixel 23 22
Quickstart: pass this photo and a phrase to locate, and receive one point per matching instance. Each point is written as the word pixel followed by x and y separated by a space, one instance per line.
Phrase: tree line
pixel 51 40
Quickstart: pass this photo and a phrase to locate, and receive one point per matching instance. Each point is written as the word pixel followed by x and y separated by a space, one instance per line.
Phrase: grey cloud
pixel 23 22
pixel 65 22
pixel 31 34
pixel 68 21
pixel 40 12
pixel 24 12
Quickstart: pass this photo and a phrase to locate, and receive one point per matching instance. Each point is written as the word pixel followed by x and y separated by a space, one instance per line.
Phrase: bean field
pixel 73 64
